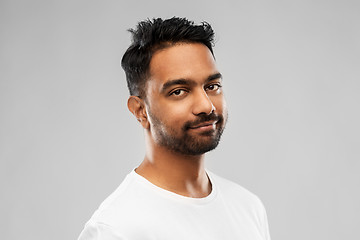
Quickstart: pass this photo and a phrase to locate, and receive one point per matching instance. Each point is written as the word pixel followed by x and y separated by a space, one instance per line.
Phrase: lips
pixel 205 124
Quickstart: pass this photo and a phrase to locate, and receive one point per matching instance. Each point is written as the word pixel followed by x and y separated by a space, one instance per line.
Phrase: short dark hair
pixel 153 35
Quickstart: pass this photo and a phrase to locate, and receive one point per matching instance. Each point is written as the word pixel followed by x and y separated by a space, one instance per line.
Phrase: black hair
pixel 153 35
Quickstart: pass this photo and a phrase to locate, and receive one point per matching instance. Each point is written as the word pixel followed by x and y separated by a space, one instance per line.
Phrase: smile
pixel 205 126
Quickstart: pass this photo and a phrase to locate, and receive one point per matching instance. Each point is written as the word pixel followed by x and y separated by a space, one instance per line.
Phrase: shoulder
pixel 241 202
pixel 119 213
pixel 119 206
pixel 100 231
pixel 235 193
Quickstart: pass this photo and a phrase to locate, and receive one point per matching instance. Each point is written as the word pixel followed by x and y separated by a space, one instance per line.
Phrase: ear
pixel 136 106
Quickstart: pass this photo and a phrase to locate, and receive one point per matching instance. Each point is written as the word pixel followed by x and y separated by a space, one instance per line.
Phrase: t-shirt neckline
pixel 174 196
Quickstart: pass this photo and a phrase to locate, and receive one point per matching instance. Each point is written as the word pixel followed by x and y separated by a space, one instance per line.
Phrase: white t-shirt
pixel 139 210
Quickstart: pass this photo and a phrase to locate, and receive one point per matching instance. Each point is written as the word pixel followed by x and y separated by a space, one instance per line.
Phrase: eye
pixel 178 92
pixel 213 87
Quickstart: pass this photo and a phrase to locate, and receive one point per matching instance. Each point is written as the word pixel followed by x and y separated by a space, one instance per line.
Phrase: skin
pixel 169 105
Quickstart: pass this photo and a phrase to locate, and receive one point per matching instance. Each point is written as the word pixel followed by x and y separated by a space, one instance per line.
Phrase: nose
pixel 203 104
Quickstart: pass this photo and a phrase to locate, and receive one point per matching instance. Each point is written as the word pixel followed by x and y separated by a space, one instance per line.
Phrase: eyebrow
pixel 183 81
pixel 214 76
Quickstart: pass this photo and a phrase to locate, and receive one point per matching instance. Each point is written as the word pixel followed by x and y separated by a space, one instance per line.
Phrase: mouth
pixel 205 126
pixel 205 123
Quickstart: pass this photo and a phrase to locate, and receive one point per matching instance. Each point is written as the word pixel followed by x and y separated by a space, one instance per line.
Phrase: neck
pixel 181 174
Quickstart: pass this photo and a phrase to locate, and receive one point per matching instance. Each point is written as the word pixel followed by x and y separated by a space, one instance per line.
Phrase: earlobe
pixel 137 107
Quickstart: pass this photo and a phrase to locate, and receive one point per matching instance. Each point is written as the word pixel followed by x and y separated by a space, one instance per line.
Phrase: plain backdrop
pixel 291 78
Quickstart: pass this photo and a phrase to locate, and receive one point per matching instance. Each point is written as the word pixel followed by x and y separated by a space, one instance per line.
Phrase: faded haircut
pixel 150 36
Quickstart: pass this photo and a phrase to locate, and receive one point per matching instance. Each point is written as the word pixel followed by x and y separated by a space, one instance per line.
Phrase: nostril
pixel 213 108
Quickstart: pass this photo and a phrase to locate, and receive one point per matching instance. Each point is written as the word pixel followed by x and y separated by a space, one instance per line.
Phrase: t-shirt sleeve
pixel 266 231
pixel 99 231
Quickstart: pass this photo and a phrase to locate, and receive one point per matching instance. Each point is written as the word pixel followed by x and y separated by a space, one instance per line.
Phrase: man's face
pixel 184 99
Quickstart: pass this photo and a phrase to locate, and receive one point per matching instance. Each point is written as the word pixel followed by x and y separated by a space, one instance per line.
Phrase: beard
pixel 182 141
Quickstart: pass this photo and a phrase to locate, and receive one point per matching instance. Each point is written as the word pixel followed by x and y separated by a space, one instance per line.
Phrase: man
pixel 176 95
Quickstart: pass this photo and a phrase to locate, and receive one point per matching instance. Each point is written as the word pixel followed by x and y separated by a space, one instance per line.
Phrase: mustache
pixel 202 119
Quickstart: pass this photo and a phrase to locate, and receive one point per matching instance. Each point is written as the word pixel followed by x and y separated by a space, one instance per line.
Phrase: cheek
pixel 220 104
pixel 177 114
pixel 173 114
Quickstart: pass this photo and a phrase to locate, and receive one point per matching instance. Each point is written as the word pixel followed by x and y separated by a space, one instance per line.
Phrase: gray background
pixel 291 73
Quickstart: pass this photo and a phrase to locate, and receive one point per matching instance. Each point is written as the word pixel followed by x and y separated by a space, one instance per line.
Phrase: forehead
pixel 184 60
